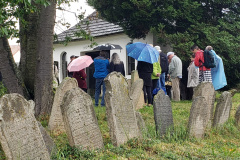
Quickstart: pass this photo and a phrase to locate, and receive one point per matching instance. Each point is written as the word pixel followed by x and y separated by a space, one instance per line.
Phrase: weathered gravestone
pixel 80 120
pixel 51 147
pixel 20 135
pixel 121 116
pixel 139 99
pixel 206 90
pixel 56 121
pixel 198 119
pixel 162 113
pixel 237 116
pixel 136 91
pixel 141 124
pixel 223 109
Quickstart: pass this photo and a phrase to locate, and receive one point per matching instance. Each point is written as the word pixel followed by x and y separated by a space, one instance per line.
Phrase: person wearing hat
pixel 175 73
pixel 164 68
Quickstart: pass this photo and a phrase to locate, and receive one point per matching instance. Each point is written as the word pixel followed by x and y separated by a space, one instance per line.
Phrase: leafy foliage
pixel 182 23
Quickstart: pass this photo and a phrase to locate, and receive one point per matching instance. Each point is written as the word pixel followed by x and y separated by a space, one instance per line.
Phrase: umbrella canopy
pixel 142 52
pixel 80 63
pixel 107 46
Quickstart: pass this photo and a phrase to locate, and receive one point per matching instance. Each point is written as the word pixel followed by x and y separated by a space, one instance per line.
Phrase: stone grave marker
pixel 135 77
pixel 121 116
pixel 141 124
pixel 56 121
pixel 80 120
pixel 206 90
pixel 162 113
pixel 20 135
pixel 237 116
pixel 136 91
pixel 223 109
pixel 198 119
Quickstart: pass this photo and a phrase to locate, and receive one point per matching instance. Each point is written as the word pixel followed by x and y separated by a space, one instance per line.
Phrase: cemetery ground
pixel 218 143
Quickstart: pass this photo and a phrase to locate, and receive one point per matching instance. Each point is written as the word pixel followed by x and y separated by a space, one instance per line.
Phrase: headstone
pixel 141 124
pixel 162 113
pixel 233 92
pixel 20 135
pixel 198 119
pixel 223 109
pixel 135 77
pixel 56 121
pixel 237 116
pixel 136 91
pixel 121 116
pixel 51 147
pixel 80 120
pixel 206 90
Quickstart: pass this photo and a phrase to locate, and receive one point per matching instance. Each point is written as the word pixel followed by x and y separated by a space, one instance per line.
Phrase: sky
pixel 67 16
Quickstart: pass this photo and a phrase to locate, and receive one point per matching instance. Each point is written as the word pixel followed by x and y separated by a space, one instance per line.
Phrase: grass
pixel 218 143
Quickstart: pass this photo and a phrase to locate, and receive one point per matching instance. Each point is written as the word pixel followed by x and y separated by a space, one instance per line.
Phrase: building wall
pixel 79 48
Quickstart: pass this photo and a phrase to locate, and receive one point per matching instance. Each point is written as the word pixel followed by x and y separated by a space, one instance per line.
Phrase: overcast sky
pixel 68 16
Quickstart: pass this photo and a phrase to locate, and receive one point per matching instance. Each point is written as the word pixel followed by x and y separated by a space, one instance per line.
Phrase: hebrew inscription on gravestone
pixel 56 121
pixel 20 135
pixel 80 120
pixel 121 116
pixel 162 113
pixel 223 109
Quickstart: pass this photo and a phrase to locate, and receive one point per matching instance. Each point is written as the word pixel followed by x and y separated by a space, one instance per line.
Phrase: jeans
pixel 161 83
pixel 99 83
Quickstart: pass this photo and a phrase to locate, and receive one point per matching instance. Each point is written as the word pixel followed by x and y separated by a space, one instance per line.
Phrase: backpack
pixel 209 59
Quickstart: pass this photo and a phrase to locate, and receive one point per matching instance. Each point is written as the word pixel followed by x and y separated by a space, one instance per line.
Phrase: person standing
pixel 164 68
pixel 81 79
pixel 156 74
pixel 116 64
pixel 204 73
pixel 70 74
pixel 175 73
pixel 217 73
pixel 193 73
pixel 145 71
pixel 101 65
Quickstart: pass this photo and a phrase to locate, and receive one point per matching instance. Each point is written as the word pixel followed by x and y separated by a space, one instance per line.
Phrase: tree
pixel 182 23
pixel 37 20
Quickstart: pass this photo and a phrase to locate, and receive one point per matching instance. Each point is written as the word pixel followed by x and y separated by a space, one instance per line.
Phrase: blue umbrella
pixel 142 52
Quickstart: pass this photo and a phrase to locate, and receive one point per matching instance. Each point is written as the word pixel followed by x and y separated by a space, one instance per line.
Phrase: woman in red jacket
pixel 81 79
pixel 204 73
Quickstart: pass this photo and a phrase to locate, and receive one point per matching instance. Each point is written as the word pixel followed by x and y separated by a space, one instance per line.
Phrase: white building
pixel 104 32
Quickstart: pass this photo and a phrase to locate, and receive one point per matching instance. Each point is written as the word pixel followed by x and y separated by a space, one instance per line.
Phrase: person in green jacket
pixel 156 74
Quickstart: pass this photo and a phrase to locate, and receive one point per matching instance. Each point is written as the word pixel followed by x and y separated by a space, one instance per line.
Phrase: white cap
pixel 158 48
pixel 170 53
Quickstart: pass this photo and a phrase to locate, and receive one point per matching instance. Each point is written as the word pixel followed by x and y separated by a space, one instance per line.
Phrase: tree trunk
pixel 43 79
pixel 10 74
pixel 28 39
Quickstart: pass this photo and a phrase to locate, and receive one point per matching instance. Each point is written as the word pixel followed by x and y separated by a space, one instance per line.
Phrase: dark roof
pixel 97 27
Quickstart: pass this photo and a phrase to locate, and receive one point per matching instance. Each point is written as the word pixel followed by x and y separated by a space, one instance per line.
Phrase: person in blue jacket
pixel 218 74
pixel 101 65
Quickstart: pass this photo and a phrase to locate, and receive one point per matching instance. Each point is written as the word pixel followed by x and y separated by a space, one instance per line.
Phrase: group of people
pixel 168 66
pixel 102 67
pixel 198 72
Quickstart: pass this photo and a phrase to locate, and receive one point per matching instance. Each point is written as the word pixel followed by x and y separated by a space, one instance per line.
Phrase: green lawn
pixel 218 143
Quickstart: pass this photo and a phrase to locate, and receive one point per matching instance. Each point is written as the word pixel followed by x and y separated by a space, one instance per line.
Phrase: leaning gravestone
pixel 135 77
pixel 56 121
pixel 20 135
pixel 198 119
pixel 121 116
pixel 80 120
pixel 223 109
pixel 136 91
pixel 206 90
pixel 162 113
pixel 141 124
pixel 237 116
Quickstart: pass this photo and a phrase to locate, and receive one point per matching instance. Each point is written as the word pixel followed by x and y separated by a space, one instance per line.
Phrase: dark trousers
pixel 154 83
pixel 84 89
pixel 147 90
